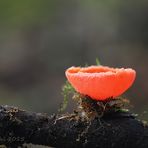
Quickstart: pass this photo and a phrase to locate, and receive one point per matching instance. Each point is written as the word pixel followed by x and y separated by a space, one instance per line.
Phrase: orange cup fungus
pixel 100 82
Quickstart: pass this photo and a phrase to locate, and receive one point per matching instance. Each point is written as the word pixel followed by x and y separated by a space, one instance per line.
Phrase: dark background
pixel 39 39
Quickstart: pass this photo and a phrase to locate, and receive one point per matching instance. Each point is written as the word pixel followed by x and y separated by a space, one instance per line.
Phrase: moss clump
pixel 89 108
pixel 67 90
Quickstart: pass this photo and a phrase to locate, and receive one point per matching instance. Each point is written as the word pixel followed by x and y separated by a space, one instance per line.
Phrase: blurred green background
pixel 39 39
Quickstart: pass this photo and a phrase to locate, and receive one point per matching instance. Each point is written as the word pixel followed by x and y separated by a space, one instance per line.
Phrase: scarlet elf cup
pixel 100 82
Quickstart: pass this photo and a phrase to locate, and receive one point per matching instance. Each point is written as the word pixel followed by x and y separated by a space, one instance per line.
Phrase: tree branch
pixel 68 130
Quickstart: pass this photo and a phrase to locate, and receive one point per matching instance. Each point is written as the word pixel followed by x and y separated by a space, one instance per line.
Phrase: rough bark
pixel 111 131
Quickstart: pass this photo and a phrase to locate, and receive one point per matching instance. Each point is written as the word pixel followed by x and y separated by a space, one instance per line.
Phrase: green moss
pixel 67 90
pixel 89 108
pixel 98 62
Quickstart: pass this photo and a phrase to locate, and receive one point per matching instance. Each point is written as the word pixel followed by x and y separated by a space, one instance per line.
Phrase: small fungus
pixel 100 82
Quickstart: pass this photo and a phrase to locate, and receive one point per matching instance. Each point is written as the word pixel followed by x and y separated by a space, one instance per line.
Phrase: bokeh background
pixel 39 39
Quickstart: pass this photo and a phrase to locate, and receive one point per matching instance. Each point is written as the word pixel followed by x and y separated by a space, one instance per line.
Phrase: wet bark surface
pixel 114 130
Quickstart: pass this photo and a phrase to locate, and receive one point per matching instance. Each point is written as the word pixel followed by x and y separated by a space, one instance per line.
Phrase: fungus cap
pixel 100 82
